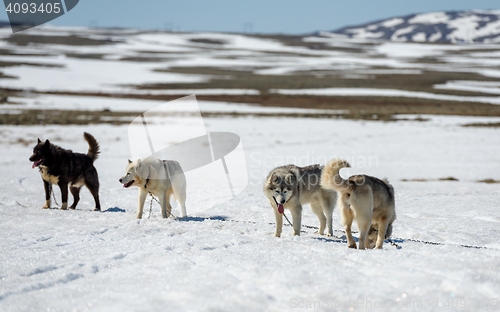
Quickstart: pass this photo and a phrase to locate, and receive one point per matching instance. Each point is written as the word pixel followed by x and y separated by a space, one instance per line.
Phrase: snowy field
pixel 154 58
pixel 226 257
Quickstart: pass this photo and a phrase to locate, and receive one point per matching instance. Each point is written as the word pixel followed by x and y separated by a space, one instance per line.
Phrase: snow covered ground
pixel 226 258
pixel 450 26
pixel 150 55
pixel 96 103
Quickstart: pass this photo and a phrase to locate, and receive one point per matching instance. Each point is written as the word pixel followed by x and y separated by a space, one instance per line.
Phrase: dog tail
pixel 390 189
pixel 94 148
pixel 331 179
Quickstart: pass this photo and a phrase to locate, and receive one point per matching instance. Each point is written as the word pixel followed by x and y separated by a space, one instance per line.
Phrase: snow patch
pixel 430 18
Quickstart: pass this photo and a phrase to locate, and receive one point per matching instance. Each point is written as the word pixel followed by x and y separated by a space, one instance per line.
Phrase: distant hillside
pixel 454 27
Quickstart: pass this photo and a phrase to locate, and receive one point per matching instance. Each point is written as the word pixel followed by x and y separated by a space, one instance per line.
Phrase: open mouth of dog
pixel 36 164
pixel 128 184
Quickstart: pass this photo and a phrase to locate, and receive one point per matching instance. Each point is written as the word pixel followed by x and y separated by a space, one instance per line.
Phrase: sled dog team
pixel 366 199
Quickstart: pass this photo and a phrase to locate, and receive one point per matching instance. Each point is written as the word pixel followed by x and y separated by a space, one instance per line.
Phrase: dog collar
pixel 147 181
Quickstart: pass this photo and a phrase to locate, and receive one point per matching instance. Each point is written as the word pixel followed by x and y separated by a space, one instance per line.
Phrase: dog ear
pixel 290 179
pixel 129 161
pixel 274 178
pixel 142 169
pixel 47 143
pixel 39 141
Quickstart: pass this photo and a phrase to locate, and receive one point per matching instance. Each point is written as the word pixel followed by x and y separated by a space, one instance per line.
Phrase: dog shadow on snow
pixel 114 209
pixel 111 209
pixel 333 239
pixel 185 219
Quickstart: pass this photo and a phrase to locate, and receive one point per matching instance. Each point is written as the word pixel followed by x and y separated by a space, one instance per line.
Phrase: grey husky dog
pixel 291 187
pixel 161 178
pixel 367 199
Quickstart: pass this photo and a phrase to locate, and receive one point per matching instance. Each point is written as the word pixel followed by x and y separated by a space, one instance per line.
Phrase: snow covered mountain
pixel 455 27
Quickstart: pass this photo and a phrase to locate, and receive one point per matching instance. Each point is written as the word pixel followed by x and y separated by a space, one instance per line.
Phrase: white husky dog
pixel 161 178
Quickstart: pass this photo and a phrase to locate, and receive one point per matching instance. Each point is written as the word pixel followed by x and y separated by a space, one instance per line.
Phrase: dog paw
pixel 329 234
pixel 353 246
pixel 47 204
pixel 97 209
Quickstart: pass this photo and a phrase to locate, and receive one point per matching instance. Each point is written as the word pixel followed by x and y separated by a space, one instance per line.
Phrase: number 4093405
pixel 33 8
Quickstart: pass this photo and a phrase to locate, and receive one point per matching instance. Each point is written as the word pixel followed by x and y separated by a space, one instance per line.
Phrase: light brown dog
pixel 367 199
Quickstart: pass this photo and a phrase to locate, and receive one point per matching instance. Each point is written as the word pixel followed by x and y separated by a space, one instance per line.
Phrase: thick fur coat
pixel 161 178
pixel 366 199
pixel 66 168
pixel 290 187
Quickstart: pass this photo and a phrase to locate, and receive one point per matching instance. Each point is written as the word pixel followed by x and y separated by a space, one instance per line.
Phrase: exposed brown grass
pixel 9 64
pixel 485 125
pixel 244 78
pixel 448 179
pixel 429 180
pixel 73 40
pixel 366 108
pixel 489 181
pixel 69 117
pixel 296 41
pixel 415 180
pixel 85 56
pixel 207 41
pixel 358 107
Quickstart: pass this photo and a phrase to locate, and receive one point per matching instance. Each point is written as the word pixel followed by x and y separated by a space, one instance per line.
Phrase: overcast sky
pixel 258 16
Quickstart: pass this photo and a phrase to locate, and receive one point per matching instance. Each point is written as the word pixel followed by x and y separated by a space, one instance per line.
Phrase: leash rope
pixel 287 219
pixel 156 200
pixel 394 243
pixel 51 191
pixel 439 244
pixel 283 212
pixel 21 204
pixel 151 206
pixel 390 240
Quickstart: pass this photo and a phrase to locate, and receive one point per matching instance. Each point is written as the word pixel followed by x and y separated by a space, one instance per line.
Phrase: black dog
pixel 62 167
